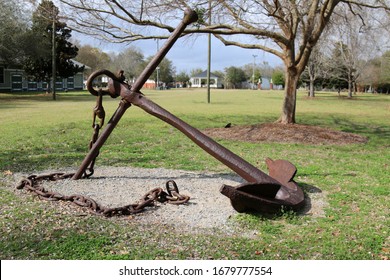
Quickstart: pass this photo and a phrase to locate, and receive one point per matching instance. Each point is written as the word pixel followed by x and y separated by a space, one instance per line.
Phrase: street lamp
pixel 253 74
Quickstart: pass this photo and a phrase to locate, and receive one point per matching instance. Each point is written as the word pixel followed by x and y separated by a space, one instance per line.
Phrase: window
pixel 1 75
pixel 32 85
pixel 70 83
pixel 17 82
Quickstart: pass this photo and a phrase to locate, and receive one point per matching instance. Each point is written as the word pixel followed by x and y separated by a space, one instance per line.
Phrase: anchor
pixel 261 192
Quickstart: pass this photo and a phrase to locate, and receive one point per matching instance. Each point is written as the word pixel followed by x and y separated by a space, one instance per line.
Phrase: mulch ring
pixel 286 133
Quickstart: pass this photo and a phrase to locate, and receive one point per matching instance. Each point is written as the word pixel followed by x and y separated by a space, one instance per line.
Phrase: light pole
pixel 253 74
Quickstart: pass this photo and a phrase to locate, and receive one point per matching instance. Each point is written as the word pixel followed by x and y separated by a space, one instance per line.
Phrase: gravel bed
pixel 207 208
pixel 119 186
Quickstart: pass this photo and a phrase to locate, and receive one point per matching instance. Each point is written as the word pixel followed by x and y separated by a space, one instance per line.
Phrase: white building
pixel 200 80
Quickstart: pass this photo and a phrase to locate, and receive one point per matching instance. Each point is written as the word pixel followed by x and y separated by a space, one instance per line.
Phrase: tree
pixel 13 28
pixel 183 78
pixel 234 77
pixel 288 29
pixel 370 80
pixel 195 72
pixel 354 42
pixel 385 67
pixel 278 78
pixel 93 57
pixel 250 70
pixel 38 56
pixel 315 69
pixel 345 66
pixel 131 61
pixel 338 72
pixel 376 75
pixel 219 73
pixel 164 73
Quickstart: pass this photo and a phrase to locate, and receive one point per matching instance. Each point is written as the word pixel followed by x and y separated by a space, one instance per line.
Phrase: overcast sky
pixel 191 52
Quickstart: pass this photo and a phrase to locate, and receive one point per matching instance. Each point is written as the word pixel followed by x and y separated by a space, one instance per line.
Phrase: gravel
pixel 207 208
pixel 119 186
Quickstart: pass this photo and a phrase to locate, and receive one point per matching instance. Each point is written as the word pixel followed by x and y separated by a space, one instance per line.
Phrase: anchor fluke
pixel 268 197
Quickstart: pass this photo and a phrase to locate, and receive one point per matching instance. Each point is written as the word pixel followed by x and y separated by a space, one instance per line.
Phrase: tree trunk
pixel 350 86
pixel 290 96
pixel 311 88
pixel 48 89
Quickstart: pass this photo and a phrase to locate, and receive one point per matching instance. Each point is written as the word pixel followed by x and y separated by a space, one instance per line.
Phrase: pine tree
pixel 39 45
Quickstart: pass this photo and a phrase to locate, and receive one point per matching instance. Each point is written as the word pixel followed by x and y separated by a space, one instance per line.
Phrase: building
pixel 200 80
pixel 266 83
pixel 13 78
pixel 149 84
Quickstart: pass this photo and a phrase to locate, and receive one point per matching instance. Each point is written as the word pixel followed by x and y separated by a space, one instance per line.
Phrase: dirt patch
pixel 286 133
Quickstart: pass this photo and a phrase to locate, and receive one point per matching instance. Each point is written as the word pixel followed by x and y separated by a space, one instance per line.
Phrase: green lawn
pixel 38 134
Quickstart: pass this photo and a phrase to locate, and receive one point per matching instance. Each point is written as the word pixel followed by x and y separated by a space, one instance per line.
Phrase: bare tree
pixel 316 67
pixel 357 41
pixel 13 29
pixel 370 79
pixel 131 61
pixel 287 29
pixel 93 57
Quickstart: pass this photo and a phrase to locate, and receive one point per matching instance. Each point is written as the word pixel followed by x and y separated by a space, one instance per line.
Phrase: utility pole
pixel 158 69
pixel 253 72
pixel 209 58
pixel 54 55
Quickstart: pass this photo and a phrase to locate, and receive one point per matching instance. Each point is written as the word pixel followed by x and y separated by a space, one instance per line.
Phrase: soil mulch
pixel 286 133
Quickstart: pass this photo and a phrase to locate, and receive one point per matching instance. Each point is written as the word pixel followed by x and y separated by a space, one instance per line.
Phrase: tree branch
pixel 379 4
pixel 249 46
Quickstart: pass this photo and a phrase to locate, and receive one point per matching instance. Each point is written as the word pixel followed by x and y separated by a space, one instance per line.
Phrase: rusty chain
pixel 33 183
pixel 98 112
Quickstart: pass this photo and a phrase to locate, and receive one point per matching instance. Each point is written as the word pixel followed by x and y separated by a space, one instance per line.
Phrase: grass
pixel 38 134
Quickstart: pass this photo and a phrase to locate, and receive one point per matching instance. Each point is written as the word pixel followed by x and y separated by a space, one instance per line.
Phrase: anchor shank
pixel 243 168
pixel 231 160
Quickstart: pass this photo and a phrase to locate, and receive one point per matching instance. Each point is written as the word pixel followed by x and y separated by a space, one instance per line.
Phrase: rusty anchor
pixel 261 192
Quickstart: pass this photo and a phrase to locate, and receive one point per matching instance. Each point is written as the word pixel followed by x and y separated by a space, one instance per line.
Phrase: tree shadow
pixel 353 127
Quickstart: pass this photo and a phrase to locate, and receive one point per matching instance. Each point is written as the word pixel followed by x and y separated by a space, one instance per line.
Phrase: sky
pixel 191 52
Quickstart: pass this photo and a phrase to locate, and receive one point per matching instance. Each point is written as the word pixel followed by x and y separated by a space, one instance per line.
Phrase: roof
pixel 204 75
pixel 3 62
pixel 80 64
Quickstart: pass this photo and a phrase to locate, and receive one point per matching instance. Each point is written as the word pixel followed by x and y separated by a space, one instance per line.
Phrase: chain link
pixel 33 183
pixel 98 112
